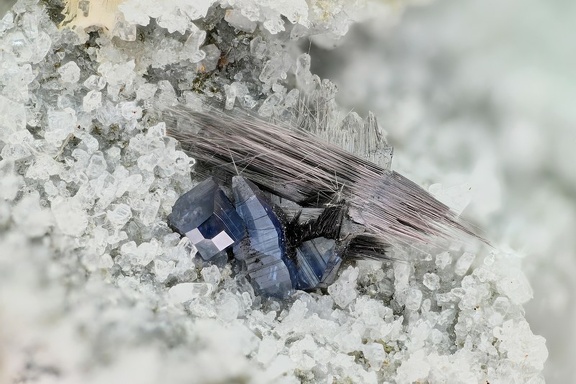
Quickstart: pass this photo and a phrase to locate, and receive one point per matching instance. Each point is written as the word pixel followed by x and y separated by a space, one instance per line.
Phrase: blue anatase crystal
pixel 318 263
pixel 264 250
pixel 207 217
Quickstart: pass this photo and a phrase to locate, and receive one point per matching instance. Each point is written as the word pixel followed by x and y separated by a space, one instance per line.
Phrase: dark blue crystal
pixel 258 230
pixel 207 217
pixel 317 263
pixel 264 251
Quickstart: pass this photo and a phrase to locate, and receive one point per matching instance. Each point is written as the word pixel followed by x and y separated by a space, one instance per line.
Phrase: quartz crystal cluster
pixel 95 287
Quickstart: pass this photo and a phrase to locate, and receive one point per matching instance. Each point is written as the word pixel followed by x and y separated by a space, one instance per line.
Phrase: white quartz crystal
pixel 92 100
pixel 69 72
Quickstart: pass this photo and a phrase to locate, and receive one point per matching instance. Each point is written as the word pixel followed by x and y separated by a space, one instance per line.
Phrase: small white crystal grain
pixel 343 291
pixel 227 306
pixel 95 83
pixel 211 274
pixel 119 216
pixel 13 117
pixel 413 299
pixel 431 281
pixel 92 100
pixel 60 125
pixel 516 287
pixel 374 353
pixel 443 260
pixel 464 263
pixel 235 18
pixel 69 72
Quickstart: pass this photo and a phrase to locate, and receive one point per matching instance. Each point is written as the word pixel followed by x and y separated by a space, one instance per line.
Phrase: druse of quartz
pixel 95 287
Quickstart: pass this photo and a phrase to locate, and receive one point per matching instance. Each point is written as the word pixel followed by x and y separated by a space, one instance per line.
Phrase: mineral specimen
pixel 277 256
pixel 94 283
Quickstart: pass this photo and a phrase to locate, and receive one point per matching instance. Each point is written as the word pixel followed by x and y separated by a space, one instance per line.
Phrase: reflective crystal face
pixel 207 217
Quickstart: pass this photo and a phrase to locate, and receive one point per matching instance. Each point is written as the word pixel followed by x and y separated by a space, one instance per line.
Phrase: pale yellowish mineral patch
pixel 91 13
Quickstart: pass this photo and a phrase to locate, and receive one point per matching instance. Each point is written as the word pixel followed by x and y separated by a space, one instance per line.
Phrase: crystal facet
pixel 264 251
pixel 207 217
pixel 317 263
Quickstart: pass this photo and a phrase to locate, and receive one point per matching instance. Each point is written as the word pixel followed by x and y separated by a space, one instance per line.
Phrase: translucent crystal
pixel 302 72
pixel 137 12
pixel 95 83
pixel 167 96
pixel 42 44
pixel 374 353
pixel 414 299
pixel 228 306
pixel 18 146
pixel 21 47
pixel 123 29
pixel 119 216
pixel 275 69
pixel 192 46
pixel 343 291
pixel 236 19
pixel 130 111
pixel 443 260
pixel 463 263
pixel 431 281
pixel 92 100
pixel 96 166
pixel 13 117
pixel 210 60
pixel 60 125
pixel 142 254
pixel 146 91
pixel 231 93
pixel 148 215
pixel 516 287
pixel 267 350
pixel 69 72
pixel 211 275
pixel 268 106
pixel 520 345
